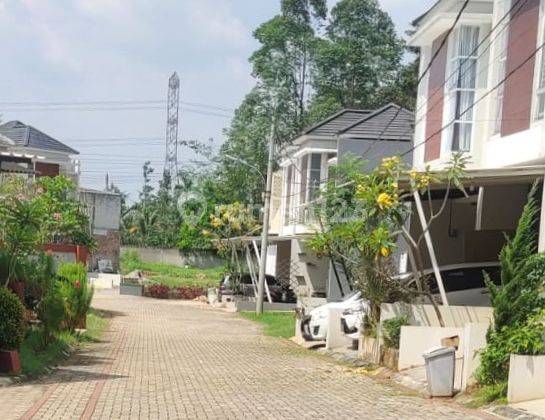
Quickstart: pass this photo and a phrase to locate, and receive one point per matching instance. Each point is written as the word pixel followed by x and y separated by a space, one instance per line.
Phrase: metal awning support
pixel 258 257
pixel 431 250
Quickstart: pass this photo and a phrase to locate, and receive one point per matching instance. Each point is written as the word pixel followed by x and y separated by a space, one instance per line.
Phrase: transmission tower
pixel 173 103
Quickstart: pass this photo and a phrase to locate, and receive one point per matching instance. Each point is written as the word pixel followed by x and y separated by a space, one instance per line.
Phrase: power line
pixel 421 77
pixel 470 107
pixel 458 68
pixel 111 102
pixel 111 109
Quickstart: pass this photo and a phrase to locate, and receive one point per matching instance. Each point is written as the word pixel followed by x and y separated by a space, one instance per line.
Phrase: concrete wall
pixel 526 378
pixel 199 259
pixel 424 315
pixel 415 341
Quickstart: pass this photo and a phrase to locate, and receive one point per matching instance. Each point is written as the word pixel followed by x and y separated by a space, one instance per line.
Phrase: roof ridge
pixel 330 118
pixel 376 113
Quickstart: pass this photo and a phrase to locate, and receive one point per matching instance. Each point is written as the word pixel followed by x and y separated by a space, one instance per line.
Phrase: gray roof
pixel 27 136
pixel 417 21
pixel 337 122
pixel 390 122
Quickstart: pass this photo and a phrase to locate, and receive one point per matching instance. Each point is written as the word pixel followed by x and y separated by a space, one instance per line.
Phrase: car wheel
pixel 305 329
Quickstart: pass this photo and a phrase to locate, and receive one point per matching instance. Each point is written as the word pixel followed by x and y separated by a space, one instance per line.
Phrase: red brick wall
pixel 434 113
pixel 46 169
pixel 517 102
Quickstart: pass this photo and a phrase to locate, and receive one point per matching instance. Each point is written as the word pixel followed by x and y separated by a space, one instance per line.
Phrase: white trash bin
pixel 440 364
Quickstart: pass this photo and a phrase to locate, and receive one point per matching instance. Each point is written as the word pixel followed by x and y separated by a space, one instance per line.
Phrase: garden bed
pixel 37 359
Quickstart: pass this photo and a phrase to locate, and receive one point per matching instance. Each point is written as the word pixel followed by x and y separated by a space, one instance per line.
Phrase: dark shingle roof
pixel 390 122
pixel 27 136
pixel 332 125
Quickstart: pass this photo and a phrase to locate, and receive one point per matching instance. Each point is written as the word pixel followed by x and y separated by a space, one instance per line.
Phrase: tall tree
pixel 359 56
pixel 283 62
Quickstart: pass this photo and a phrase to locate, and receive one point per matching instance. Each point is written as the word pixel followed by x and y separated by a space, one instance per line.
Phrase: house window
pixel 463 65
pixel 314 177
pixel 500 54
pixel 540 104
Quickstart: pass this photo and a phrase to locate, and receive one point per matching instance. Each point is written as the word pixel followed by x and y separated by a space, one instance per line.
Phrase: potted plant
pixel 11 331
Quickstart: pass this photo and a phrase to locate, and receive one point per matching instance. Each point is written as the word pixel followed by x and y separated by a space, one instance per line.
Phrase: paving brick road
pixel 170 360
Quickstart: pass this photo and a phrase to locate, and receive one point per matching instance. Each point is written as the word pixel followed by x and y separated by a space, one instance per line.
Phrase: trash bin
pixel 440 364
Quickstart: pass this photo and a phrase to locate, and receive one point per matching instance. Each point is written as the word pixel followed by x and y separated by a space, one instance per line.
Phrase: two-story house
pixel 27 150
pixel 370 134
pixel 482 93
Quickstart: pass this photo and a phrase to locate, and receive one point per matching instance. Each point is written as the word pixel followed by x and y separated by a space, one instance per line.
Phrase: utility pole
pixel 171 152
pixel 266 210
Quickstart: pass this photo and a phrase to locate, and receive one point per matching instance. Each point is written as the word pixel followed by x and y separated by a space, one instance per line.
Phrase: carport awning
pixel 496 176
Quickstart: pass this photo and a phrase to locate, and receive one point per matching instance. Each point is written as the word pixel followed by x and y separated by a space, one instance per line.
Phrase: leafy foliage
pixel 75 292
pixel 361 217
pixel 12 326
pixel 519 302
pixel 360 54
pixel 391 331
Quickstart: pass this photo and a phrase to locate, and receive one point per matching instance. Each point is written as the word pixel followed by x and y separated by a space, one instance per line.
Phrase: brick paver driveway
pixel 174 360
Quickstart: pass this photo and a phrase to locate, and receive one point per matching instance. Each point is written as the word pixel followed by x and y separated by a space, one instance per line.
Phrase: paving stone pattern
pixel 176 360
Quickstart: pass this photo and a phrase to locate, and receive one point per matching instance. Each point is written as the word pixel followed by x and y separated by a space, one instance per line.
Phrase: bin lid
pixel 438 351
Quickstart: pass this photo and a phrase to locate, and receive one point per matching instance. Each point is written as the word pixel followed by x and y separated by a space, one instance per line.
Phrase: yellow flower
pixel 134 229
pixel 390 162
pixel 385 200
pixel 385 251
pixel 216 222
pixel 206 232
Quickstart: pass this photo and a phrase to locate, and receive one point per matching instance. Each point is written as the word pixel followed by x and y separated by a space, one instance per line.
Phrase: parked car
pixel 242 285
pixel 314 326
pixel 465 283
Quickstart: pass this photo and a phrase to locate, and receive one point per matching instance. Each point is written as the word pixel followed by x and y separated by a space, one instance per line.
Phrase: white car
pixel 314 327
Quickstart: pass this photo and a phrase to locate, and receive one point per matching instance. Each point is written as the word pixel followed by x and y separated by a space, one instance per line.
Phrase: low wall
pixel 424 315
pixel 415 341
pixel 198 259
pixel 526 378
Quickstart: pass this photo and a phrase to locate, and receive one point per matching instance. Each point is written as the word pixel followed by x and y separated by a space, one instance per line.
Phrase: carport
pixel 471 230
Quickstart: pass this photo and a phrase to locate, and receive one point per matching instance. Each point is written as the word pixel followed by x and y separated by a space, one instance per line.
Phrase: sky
pixel 97 58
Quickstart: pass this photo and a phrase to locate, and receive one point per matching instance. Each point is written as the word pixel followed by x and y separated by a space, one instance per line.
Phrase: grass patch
pixel 171 275
pixel 37 358
pixel 487 394
pixel 277 324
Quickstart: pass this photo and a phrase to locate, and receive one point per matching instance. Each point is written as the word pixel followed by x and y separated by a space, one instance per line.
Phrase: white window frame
pixel 451 93
pixel 499 63
pixel 539 72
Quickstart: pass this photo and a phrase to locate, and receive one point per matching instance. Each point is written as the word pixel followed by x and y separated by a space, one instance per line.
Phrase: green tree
pixel 359 56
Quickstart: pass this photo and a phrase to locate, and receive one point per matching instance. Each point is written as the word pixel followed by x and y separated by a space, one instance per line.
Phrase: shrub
pixel 391 331
pixel 75 292
pixel 518 302
pixel 130 261
pixel 39 279
pixel 52 313
pixel 189 292
pixel 12 327
pixel 526 339
pixel 158 291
